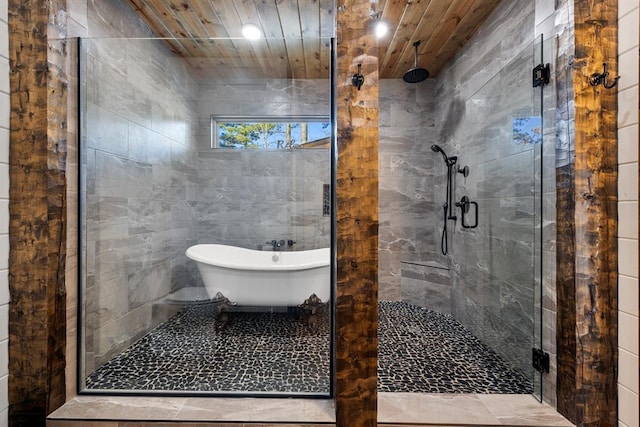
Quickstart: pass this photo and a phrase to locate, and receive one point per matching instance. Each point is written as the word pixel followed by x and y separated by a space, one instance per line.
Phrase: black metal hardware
pixel 464 171
pixel 290 243
pixel 540 360
pixel 358 79
pixel 326 200
pixel 596 78
pixel 464 204
pixel 541 75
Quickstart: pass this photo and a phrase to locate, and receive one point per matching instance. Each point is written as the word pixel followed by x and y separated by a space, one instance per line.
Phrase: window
pixel 270 133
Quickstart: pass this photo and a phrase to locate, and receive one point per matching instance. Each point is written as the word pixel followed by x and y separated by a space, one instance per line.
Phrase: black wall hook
pixel 596 78
pixel 358 79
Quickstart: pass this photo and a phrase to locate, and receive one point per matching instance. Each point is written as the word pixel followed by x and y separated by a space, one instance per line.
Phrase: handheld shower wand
pixel 448 204
pixel 449 161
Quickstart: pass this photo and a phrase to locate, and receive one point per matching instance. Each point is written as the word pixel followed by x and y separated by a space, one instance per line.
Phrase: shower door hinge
pixel 540 360
pixel 541 75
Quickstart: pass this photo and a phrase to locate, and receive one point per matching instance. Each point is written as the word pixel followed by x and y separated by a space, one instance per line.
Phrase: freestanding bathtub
pixel 263 278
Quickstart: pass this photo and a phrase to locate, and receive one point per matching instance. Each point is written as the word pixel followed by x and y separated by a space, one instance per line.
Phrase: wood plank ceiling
pixel 207 33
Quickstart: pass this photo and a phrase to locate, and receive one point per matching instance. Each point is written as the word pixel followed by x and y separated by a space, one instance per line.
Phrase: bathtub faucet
pixel 277 244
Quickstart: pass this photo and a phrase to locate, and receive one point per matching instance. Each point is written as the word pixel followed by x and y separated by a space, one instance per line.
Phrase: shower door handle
pixel 464 204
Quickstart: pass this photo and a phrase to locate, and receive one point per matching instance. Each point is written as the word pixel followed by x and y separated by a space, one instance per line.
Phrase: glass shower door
pixel 496 267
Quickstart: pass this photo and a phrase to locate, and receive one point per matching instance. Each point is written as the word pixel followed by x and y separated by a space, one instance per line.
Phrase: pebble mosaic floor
pixel 419 351
pixel 425 351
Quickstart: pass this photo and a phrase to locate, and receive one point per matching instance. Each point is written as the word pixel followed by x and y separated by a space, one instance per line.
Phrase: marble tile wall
pixel 4 213
pixel 406 170
pixel 248 197
pixel 139 158
pixel 469 109
pixel 480 97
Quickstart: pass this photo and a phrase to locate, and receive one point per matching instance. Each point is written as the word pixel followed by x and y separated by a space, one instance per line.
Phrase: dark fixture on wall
pixel 464 205
pixel 415 74
pixel 358 79
pixel 596 78
pixel 541 75
pixel 448 206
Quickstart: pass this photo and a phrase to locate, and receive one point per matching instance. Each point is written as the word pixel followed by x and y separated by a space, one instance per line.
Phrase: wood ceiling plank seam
pixel 158 25
pixel 290 24
pixel 327 19
pixel 309 12
pixel 270 22
pixel 449 25
pixel 151 15
pixel 327 31
pixel 422 32
pixel 465 30
pixel 289 18
pixel 392 12
pixel 403 34
pixel 325 58
pixel 175 27
pixel 178 28
pixel 233 24
pixel 248 14
pixel 211 24
pixel 213 14
pixel 226 53
pixel 296 60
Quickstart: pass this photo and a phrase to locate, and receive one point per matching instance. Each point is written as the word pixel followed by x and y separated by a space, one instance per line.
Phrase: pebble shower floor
pixel 419 351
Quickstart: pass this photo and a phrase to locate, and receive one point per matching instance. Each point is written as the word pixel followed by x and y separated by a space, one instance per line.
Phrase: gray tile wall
pixel 469 110
pixel 139 155
pixel 407 167
pixel 480 94
pixel 248 197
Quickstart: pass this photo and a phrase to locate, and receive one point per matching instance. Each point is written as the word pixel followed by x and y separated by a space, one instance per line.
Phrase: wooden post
pixel 37 208
pixel 356 341
pixel 587 230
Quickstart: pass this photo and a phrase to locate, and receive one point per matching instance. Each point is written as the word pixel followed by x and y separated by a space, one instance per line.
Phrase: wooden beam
pixel 37 209
pixel 587 281
pixel 356 341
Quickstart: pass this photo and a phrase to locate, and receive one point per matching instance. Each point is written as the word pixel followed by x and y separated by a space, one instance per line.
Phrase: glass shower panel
pixel 205 269
pixel 496 265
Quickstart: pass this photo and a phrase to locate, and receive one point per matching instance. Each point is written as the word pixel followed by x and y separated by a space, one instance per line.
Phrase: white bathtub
pixel 263 278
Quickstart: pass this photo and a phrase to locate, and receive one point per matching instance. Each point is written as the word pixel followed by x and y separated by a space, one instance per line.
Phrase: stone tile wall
pixel 406 169
pixel 248 197
pixel 138 154
pixel 481 95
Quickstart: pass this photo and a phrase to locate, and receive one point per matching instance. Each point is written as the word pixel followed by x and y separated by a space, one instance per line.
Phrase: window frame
pixel 215 119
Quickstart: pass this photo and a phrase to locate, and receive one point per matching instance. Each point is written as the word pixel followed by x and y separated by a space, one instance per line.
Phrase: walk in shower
pixel 183 143
pixel 461 202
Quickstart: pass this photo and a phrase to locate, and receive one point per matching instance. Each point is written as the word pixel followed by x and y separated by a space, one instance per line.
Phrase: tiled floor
pixel 419 351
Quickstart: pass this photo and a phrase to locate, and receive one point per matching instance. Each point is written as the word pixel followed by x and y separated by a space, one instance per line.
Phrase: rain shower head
pixel 415 74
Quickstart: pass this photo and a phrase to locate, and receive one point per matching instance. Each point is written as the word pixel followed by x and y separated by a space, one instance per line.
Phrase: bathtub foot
pixel 223 305
pixel 311 309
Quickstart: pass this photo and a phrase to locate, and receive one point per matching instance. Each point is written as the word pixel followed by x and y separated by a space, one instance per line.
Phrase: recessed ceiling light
pixel 381 29
pixel 251 31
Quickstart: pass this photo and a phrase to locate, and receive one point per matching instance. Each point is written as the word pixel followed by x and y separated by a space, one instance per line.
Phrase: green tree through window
pixel 271 135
